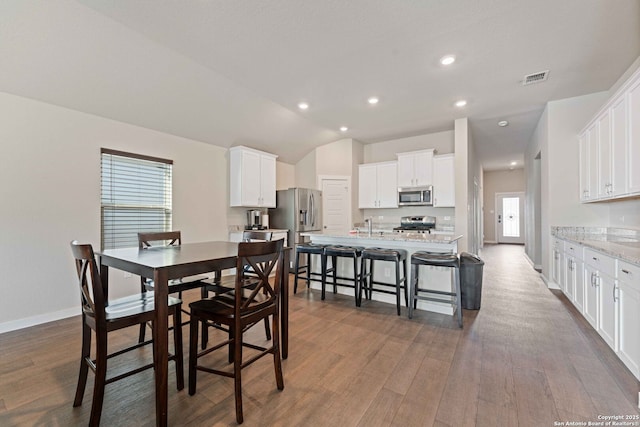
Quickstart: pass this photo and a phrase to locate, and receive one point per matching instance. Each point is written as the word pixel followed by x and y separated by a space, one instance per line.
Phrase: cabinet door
pixel 570 277
pixel 592 138
pixel 608 310
pixel 619 146
pixel 604 156
pixel 556 265
pixel 444 185
pixel 267 182
pixel 583 141
pixel 629 319
pixel 590 296
pixel 578 294
pixel 633 140
pixel 387 175
pixel 367 182
pixel 423 168
pixel 405 176
pixel 250 187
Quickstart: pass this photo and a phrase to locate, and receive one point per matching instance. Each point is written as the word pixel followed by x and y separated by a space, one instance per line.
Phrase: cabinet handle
pixel 594 258
pixel 625 271
pixel 614 293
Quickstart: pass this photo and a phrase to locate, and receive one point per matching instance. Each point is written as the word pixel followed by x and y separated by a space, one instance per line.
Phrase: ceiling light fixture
pixel 461 103
pixel 303 105
pixel 373 100
pixel 503 123
pixel 343 128
pixel 447 60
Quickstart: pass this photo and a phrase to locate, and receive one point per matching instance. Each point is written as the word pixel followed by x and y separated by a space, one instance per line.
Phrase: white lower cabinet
pixel 608 310
pixel 557 275
pixel 590 311
pixel 628 300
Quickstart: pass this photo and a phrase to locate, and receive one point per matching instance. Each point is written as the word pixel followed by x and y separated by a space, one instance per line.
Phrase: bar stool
pixel 308 274
pixel 436 260
pixel 366 273
pixel 335 251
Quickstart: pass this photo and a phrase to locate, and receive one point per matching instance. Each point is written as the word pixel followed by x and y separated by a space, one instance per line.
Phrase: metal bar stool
pixel 307 270
pixel 367 281
pixel 436 260
pixel 335 251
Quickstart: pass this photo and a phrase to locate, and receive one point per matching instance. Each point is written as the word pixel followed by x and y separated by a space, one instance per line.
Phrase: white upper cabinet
pixel 377 185
pixel 252 178
pixel 610 147
pixel 415 169
pixel 444 181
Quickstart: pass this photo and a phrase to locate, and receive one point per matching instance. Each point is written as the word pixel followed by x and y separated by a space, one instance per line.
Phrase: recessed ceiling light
pixel 447 60
pixel 343 128
pixel 373 100
pixel 303 105
pixel 461 103
pixel 503 123
pixel 514 163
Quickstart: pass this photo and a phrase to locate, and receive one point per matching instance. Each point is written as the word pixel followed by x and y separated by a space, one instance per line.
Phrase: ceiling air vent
pixel 538 77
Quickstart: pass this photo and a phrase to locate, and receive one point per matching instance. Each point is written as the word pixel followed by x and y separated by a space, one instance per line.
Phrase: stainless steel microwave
pixel 415 196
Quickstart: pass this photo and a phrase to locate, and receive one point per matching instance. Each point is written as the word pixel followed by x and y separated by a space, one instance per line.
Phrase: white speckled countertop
pixel 619 243
pixel 395 237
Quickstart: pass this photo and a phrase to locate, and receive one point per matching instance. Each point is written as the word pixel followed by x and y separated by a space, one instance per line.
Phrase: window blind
pixel 135 197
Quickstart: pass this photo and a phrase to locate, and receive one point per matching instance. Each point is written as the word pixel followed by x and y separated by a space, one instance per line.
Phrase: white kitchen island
pixel 435 278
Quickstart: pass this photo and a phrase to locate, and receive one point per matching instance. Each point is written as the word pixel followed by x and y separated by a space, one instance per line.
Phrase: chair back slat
pixel 170 238
pixel 263 257
pixel 89 282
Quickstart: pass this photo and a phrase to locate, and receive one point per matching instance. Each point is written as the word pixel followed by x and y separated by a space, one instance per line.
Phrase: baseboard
pixel 38 320
pixel 491 242
pixel 550 284
pixel 536 267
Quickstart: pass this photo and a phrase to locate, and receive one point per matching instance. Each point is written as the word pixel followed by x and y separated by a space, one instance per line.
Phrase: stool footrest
pixel 435 292
pixel 446 301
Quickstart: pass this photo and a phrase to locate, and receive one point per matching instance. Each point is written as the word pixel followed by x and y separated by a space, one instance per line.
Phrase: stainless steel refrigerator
pixel 297 210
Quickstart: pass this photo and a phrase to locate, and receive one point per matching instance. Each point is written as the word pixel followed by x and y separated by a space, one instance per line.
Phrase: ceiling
pixel 233 72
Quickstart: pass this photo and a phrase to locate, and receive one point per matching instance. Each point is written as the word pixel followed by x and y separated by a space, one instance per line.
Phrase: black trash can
pixel 470 280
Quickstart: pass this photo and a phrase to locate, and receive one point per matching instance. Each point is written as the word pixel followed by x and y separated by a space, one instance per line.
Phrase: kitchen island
pixel 437 278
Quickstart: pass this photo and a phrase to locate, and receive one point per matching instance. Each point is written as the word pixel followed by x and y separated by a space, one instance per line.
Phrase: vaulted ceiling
pixel 233 72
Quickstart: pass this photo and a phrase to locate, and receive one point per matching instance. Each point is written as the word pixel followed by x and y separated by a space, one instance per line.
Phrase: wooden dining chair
pixel 253 299
pixel 170 238
pixel 104 316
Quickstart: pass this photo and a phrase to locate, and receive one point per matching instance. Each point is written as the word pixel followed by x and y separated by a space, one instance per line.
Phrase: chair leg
pixel 177 347
pixel 398 287
pixel 100 378
pixel 334 260
pixel 237 372
pixel 193 353
pixel 369 293
pixel 143 326
pixel 84 368
pixel 356 279
pixel 296 273
pixel 267 329
pixel 277 359
pixel 413 289
pixel 309 269
pixel 205 330
pixel 406 283
pixel 363 281
pixel 456 273
pixel 323 272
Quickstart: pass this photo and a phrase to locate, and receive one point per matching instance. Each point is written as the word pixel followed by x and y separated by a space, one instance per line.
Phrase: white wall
pixel 384 151
pixel 505 181
pixel 50 191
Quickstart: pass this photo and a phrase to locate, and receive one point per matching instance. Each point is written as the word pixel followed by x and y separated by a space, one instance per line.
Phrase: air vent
pixel 538 77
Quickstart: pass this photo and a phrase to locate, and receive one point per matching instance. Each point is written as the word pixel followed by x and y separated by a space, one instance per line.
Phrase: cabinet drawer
pixel 628 273
pixel 573 249
pixel 603 263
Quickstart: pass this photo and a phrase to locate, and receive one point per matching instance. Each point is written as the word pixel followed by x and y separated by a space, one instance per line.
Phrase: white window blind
pixel 135 197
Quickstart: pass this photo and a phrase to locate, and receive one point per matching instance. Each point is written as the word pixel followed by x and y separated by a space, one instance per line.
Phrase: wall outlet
pixel 380 217
pixel 447 218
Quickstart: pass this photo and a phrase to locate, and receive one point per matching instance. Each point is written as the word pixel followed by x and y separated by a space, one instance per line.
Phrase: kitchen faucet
pixel 369 222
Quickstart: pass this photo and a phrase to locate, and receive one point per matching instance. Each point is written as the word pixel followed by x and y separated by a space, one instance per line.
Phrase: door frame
pixel 347 178
pixel 520 194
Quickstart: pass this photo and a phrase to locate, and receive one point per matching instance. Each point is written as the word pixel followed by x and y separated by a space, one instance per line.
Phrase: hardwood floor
pixel 527 358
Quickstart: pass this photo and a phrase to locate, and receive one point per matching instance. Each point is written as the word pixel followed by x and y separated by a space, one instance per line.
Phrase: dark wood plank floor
pixel 527 358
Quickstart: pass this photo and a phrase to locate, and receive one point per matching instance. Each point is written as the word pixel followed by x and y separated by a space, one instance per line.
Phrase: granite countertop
pixel 619 243
pixel 397 237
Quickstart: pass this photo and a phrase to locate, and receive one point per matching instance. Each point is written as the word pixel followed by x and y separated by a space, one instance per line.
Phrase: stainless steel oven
pixel 415 196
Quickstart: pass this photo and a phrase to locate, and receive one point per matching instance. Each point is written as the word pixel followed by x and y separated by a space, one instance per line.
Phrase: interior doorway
pixel 336 203
pixel 510 218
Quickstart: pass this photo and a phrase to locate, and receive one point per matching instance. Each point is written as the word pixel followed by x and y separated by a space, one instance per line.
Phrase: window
pixel 135 197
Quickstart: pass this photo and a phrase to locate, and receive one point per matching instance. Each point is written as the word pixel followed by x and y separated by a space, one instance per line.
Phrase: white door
pixel 510 217
pixel 336 202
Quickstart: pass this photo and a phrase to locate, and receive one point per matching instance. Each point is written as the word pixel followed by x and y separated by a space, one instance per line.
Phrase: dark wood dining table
pixel 172 262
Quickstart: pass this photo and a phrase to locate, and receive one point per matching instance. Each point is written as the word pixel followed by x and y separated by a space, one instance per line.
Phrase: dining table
pixel 164 263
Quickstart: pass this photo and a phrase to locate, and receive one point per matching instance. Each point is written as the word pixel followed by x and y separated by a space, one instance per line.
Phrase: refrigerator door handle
pixel 312 208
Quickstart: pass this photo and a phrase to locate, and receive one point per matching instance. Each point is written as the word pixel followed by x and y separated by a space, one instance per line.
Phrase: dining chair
pixel 253 299
pixel 170 238
pixel 104 316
